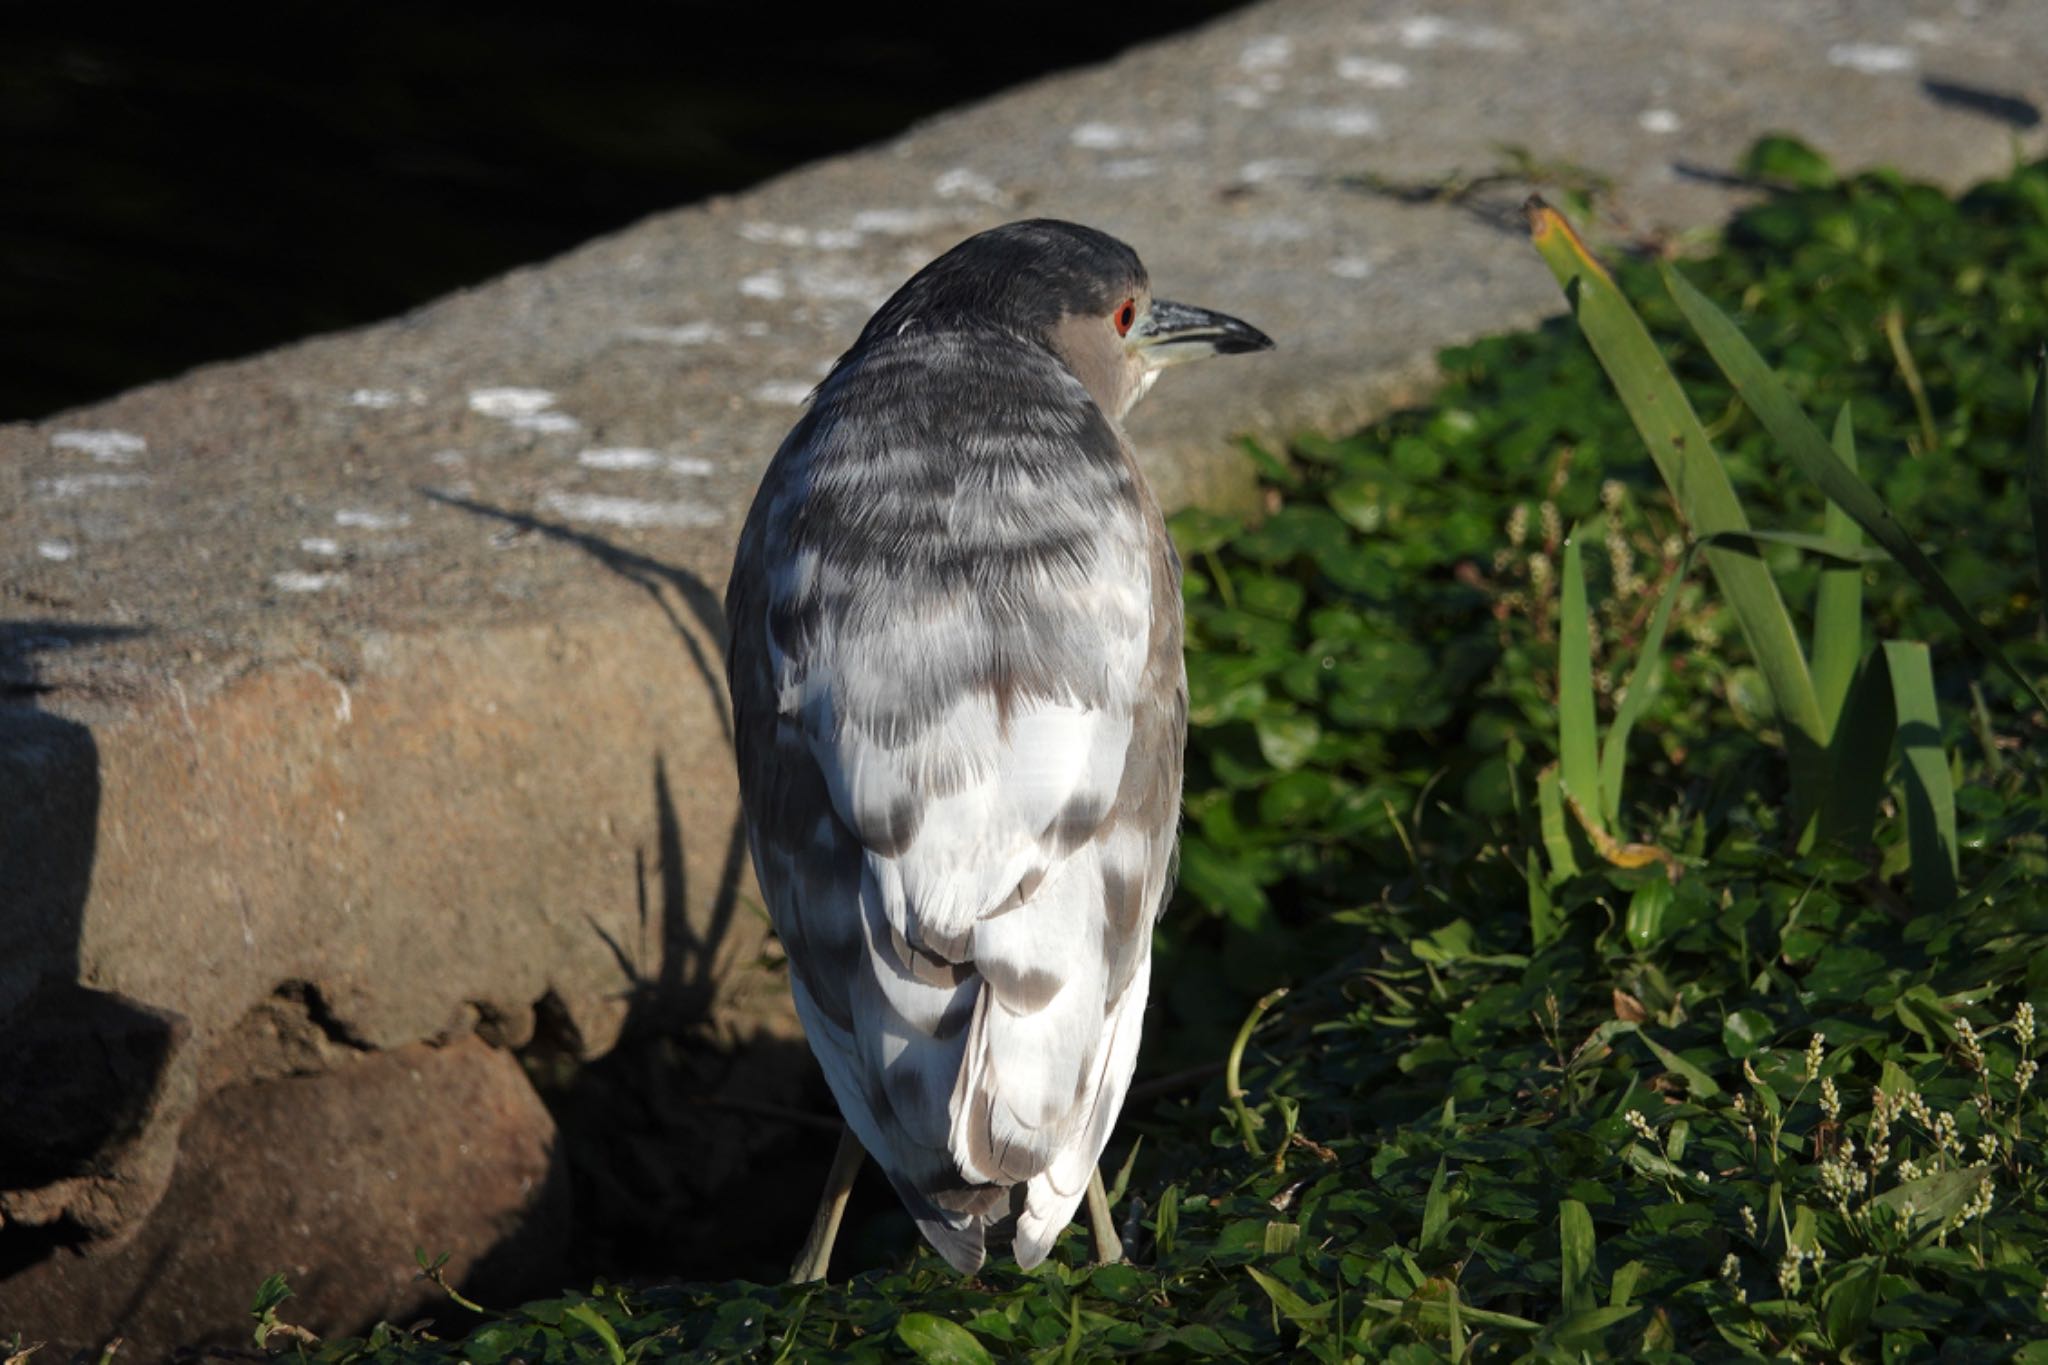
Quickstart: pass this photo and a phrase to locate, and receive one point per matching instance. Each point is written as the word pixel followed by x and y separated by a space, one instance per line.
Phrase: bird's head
pixel 1080 293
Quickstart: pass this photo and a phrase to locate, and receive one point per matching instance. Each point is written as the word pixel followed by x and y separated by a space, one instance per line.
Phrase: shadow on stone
pixel 81 1070
pixel 683 988
pixel 694 1149
pixel 651 575
pixel 690 1155
pixel 1493 200
pixel 2001 106
pixel 272 1174
pixel 118 1215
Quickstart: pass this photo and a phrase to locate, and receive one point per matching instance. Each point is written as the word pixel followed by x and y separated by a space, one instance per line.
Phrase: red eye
pixel 1125 316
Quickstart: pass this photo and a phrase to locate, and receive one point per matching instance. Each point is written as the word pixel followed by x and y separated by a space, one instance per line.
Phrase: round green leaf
pixel 1295 531
pixel 1788 160
pixel 1271 595
pixel 1286 739
pixel 1417 459
pixel 1222 882
pixel 936 1341
pixel 1745 1033
pixel 1362 501
pixel 1297 797
pixel 1198 532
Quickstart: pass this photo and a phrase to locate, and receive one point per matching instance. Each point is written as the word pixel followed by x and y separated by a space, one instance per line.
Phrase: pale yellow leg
pixel 817 1252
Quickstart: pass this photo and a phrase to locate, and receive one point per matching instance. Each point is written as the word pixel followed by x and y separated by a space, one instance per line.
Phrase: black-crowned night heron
pixel 960 709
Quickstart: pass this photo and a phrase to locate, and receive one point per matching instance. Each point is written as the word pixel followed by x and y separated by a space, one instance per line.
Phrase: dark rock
pixel 333 1180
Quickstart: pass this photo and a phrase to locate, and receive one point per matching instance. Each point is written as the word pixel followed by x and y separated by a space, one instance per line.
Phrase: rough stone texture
pixel 441 1149
pixel 378 676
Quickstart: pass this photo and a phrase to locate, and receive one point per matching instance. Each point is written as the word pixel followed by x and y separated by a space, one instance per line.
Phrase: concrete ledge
pixel 383 669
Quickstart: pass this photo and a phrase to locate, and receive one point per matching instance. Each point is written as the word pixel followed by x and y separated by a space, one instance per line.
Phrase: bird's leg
pixel 817 1252
pixel 1108 1250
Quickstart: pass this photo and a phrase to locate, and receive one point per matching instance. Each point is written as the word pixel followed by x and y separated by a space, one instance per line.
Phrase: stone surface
pixel 332 1180
pixel 82 1075
pixel 374 682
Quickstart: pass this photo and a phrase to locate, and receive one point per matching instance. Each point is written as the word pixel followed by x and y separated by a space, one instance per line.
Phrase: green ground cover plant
pixel 1659 887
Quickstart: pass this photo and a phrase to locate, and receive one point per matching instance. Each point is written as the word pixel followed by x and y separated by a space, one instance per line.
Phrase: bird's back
pixel 960 706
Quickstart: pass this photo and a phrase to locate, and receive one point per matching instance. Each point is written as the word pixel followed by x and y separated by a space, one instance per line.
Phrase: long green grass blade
pixel 1578 742
pixel 1293 1306
pixel 1838 603
pixel 1543 917
pixel 1575 1238
pixel 1801 441
pixel 1436 1208
pixel 1893 701
pixel 1930 796
pixel 1858 757
pixel 1623 1287
pixel 1643 682
pixel 1557 834
pixel 2037 475
pixel 1434 1313
pixel 606 1333
pixel 1703 1086
pixel 1848 554
pixel 1692 470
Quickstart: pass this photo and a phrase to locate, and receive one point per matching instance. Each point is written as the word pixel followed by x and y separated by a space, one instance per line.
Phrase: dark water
pixel 186 183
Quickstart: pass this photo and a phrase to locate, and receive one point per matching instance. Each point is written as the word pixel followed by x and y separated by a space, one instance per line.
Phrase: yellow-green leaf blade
pixel 606 1333
pixel 1643 682
pixel 1575 1240
pixel 2037 475
pixel 1557 835
pixel 1796 435
pixel 1436 1209
pixel 1291 1305
pixel 1858 755
pixel 1692 471
pixel 1436 1313
pixel 1838 602
pixel 1578 747
pixel 1930 796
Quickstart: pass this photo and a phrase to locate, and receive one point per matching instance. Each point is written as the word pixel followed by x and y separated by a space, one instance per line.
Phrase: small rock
pixel 332 1180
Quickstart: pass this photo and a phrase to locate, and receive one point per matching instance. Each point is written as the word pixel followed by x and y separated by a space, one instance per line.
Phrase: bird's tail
pixel 963 1247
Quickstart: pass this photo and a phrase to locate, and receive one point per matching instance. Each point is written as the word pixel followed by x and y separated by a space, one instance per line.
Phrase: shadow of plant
pixel 695 1147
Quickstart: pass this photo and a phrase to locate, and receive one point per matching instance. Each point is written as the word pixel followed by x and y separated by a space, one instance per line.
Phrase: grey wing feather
pixel 960 710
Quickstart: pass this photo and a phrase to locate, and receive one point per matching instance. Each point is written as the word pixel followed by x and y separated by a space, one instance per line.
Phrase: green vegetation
pixel 1663 924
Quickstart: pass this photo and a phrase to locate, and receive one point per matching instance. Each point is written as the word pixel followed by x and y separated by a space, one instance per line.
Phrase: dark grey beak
pixel 1173 332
